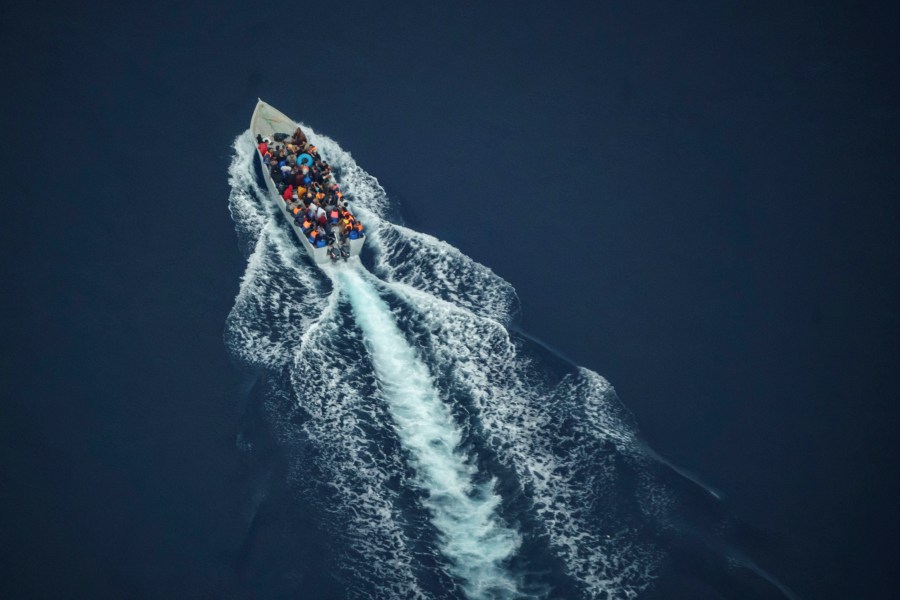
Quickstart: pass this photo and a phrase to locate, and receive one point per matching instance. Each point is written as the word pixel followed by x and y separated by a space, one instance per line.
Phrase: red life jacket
pixel 288 192
pixel 263 148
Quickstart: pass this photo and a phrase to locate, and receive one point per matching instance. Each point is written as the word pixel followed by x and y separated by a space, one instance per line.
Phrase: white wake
pixel 464 514
pixel 375 391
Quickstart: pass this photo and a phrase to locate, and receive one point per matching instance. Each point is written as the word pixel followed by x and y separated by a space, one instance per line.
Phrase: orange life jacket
pixel 295 210
pixel 314 233
pixel 307 224
pixel 358 226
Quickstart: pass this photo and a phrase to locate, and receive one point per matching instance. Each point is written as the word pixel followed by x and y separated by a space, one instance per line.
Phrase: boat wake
pixel 445 456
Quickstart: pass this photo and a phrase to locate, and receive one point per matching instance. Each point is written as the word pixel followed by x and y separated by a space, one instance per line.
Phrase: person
pixel 288 193
pixel 299 137
pixel 346 222
pixel 321 217
pixel 346 228
pixel 263 147
pixel 277 175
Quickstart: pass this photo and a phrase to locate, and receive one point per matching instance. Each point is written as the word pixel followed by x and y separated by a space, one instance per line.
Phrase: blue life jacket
pixel 354 235
pixel 320 243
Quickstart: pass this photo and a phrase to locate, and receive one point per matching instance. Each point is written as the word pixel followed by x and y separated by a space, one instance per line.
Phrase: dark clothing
pixel 277 177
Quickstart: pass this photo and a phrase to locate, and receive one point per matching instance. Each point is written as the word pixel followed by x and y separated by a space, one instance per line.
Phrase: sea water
pixel 445 456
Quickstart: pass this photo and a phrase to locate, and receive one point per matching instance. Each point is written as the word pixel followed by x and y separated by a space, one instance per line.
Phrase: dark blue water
pixel 733 173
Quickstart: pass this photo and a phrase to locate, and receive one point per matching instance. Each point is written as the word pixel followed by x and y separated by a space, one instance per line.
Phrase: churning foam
pixel 380 417
pixel 471 536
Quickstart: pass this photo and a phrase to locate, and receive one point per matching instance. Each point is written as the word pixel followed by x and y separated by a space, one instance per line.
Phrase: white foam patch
pixel 471 536
pixel 561 439
pixel 352 478
pixel 437 268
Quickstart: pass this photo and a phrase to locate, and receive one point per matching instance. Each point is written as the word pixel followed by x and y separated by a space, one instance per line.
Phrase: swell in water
pixel 445 456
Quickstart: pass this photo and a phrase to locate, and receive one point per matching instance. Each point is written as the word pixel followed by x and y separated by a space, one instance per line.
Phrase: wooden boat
pixel 266 122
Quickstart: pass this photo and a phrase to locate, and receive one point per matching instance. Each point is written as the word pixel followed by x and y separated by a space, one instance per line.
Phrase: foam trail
pixel 387 388
pixel 471 537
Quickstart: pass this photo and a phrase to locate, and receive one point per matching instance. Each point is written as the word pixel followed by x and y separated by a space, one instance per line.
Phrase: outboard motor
pixel 334 253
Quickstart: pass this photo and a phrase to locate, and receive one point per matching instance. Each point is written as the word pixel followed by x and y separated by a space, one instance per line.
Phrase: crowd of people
pixel 311 194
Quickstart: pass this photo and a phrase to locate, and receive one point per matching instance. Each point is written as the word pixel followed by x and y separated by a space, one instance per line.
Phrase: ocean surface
pixel 625 325
pixel 442 453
